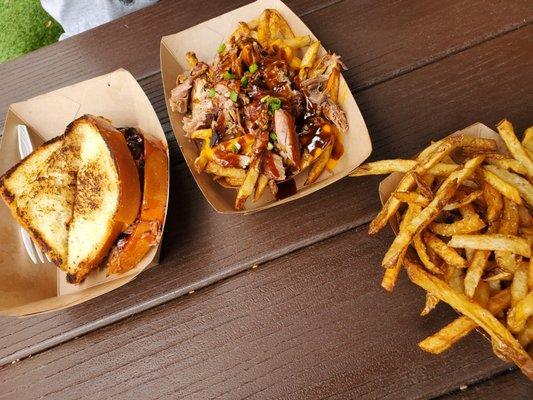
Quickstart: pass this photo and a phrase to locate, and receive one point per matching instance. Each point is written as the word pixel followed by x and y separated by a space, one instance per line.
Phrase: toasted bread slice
pixel 39 190
pixel 107 195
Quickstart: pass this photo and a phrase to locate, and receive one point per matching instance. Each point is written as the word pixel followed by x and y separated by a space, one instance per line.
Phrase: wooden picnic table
pixel 284 303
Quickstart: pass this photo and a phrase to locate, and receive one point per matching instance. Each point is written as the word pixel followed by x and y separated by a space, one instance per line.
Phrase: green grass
pixel 24 27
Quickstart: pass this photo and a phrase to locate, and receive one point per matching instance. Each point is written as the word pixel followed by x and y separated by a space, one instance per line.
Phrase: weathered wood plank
pixel 509 385
pixel 378 39
pixel 312 324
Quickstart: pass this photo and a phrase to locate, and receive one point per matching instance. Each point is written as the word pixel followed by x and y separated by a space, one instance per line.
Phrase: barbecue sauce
pixel 286 189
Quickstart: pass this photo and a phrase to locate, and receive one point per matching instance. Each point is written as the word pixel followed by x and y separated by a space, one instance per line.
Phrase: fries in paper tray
pixel 461 211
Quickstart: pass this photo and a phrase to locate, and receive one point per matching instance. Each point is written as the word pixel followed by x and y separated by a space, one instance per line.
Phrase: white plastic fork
pixel 25 148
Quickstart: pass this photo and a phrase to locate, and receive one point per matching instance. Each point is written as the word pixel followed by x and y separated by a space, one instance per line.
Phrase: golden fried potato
pixel 319 164
pixel 471 222
pixel 247 188
pixel 521 184
pixel 504 340
pixel 262 183
pixel 229 172
pixel 512 243
pixel 502 186
pixel 506 130
pixel 519 313
pixel 426 216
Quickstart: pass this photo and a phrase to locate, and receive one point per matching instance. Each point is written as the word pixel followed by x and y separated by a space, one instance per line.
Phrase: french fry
pixel 497 275
pixel 234 182
pixel 525 337
pixel 502 186
pixel 494 201
pixel 278 24
pixel 476 194
pixel 521 184
pixel 412 197
pixel 204 134
pixel 262 183
pixel 471 222
pixel 447 253
pixel 263 28
pixel 296 42
pixel 421 250
pixel 332 85
pixel 496 241
pixel 426 216
pixel 243 29
pixel 247 188
pixel 503 339
pixel 462 326
pixel 508 225
pixel 295 63
pixel 319 164
pixel 390 166
pixel 527 141
pixel 519 313
pixel 476 266
pixel 530 275
pixel 430 304
pixel 455 278
pixel 506 130
pixel 519 285
pixel 309 58
pixel 391 274
pixel 305 160
pixel 229 172
pixel 191 58
pixel 426 160
pixel 503 162
pixel 525 217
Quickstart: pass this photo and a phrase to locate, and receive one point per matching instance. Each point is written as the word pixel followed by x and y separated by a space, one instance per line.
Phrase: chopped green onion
pixel 273 136
pixel 244 81
pixel 211 92
pixel 221 48
pixel 235 147
pixel 233 96
pixel 252 68
pixel 274 103
pixel 228 75
pixel 270 146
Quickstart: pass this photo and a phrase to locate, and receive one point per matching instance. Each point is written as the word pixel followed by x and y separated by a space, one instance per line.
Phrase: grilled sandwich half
pixel 75 194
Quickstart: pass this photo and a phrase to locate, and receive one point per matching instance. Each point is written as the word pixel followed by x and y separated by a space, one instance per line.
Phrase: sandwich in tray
pixel 92 197
pixel 264 111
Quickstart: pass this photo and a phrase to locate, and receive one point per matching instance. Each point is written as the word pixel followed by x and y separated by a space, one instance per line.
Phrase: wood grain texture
pixel 378 39
pixel 485 83
pixel 312 324
pixel 509 385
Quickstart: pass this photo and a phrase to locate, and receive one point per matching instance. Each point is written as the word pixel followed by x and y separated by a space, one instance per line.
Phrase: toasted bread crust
pixel 129 198
pixel 10 171
pixel 147 231
pixel 10 199
pixel 130 192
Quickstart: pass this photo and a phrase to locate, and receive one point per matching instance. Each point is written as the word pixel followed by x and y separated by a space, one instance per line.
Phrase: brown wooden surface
pixel 507 385
pixel 419 70
pixel 311 324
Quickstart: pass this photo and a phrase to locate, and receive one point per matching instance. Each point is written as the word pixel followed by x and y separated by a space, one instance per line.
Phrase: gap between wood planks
pixel 466 392
pixel 104 321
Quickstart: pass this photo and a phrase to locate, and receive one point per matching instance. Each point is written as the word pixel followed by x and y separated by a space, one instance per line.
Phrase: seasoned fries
pixel 469 222
pixel 268 106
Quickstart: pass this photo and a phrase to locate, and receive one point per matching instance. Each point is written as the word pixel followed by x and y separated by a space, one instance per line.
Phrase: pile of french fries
pixel 274 37
pixel 465 235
